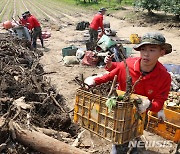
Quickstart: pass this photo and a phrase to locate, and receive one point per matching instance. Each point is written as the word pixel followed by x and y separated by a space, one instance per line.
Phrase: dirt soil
pixel 67 35
pixel 63 34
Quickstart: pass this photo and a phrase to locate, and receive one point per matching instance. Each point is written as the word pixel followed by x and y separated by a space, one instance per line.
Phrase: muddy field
pixel 60 20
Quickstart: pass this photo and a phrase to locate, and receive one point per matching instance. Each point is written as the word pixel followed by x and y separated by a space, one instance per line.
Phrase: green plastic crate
pixel 69 51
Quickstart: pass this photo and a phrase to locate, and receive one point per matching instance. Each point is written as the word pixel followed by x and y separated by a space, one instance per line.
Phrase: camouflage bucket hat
pixel 154 38
pixel 102 9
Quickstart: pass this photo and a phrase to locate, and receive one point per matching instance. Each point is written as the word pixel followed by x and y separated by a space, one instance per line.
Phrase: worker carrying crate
pixel 143 75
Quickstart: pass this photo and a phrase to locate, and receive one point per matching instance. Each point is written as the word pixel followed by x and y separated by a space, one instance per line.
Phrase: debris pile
pixel 173 101
pixel 175 83
pixel 102 89
pixel 28 102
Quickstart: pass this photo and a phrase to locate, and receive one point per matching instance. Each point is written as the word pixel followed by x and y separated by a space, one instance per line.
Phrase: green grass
pixel 113 5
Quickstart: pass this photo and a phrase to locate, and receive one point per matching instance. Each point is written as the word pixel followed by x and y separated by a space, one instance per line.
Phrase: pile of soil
pixel 27 97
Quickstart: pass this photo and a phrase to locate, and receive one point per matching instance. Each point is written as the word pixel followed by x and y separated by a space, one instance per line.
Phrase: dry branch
pixel 51 132
pixel 113 89
pixel 57 104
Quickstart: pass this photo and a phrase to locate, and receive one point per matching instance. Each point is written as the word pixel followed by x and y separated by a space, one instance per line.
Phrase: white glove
pixel 90 80
pixel 108 59
pixel 161 115
pixel 144 105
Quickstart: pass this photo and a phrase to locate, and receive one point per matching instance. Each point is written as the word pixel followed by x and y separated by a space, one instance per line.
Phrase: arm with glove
pixel 109 64
pixel 97 80
pixel 146 104
pixel 90 80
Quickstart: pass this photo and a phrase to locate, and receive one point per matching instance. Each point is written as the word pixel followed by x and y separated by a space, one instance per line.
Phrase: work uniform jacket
pixel 97 22
pixel 155 85
pixel 33 22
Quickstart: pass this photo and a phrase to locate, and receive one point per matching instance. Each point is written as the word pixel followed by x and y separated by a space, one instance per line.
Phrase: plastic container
pixel 173 108
pixel 119 126
pixel 169 129
pixel 7 24
pixel 172 68
pixel 134 39
pixel 69 51
pixel 22 32
pixel 106 42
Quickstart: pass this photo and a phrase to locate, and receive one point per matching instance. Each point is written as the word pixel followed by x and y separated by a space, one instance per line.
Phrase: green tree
pixel 148 5
pixel 171 6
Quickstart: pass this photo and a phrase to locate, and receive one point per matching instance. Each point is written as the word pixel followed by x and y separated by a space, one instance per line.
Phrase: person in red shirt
pixel 154 81
pixel 35 27
pixel 151 77
pixel 96 23
pixel 24 22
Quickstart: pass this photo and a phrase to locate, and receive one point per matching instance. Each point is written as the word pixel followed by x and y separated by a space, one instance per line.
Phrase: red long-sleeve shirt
pixel 155 85
pixel 97 22
pixel 33 22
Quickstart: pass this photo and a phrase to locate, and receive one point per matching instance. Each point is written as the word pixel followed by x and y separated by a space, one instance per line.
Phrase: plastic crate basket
pixel 169 129
pixel 119 126
pixel 69 51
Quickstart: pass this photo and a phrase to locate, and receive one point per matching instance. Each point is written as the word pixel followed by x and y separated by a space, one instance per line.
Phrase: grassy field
pixel 9 10
pixel 110 4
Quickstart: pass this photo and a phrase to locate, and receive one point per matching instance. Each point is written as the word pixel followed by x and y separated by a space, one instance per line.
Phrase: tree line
pixel 168 6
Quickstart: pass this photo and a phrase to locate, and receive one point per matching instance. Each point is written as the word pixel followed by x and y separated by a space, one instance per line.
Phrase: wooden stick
pixel 113 86
pixel 51 132
pixel 57 104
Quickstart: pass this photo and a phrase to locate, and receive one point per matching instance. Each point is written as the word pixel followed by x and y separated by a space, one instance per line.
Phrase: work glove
pixel 90 80
pixel 145 103
pixel 108 60
pixel 161 115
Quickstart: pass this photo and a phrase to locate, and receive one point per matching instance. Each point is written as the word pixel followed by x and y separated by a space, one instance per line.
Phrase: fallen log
pixel 42 142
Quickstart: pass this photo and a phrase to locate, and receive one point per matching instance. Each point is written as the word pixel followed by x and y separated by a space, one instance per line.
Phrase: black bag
pixel 82 25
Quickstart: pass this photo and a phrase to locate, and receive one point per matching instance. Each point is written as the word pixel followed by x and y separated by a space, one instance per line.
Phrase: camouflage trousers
pixel 37 33
pixel 93 35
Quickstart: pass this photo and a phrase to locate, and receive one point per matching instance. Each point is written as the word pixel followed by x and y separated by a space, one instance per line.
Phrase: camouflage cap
pixel 27 12
pixel 102 9
pixel 154 38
